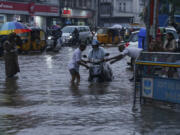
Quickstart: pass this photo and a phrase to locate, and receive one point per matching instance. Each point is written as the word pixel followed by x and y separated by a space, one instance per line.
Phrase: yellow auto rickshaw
pixel 35 40
pixel 108 35
pixel 26 42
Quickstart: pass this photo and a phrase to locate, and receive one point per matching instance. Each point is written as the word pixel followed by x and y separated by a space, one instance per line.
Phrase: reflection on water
pixel 75 89
pixel 42 101
pixel 11 85
pixel 11 95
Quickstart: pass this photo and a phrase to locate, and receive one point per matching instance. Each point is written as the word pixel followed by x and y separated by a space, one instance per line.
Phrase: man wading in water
pixel 75 62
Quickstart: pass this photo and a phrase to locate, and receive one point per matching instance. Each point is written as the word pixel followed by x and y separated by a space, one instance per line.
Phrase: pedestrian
pixel 75 62
pixel 10 54
pixel 170 43
pixel 169 46
pixel 132 52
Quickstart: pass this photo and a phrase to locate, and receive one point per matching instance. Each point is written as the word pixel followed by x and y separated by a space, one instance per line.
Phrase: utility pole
pixel 171 12
pixel 111 12
pixel 148 23
pixel 155 20
pixel 60 11
pixel 98 16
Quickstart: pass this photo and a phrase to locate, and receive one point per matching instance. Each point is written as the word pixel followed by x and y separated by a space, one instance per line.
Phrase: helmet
pixel 95 42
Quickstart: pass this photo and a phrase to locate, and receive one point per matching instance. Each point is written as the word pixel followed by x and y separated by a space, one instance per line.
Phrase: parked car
pixel 85 34
pixel 133 40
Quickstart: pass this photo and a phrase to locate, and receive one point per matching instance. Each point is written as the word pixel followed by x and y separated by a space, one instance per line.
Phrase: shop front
pixel 76 17
pixel 31 14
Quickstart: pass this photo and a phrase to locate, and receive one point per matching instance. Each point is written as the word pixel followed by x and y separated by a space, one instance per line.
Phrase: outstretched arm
pixel 118 57
pixel 83 64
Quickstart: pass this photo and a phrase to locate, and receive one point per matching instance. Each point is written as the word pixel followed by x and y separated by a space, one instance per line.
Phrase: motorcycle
pixel 54 44
pixel 75 41
pixel 99 71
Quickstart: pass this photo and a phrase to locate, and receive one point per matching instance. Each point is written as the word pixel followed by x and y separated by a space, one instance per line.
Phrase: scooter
pixel 55 45
pixel 99 71
pixel 75 41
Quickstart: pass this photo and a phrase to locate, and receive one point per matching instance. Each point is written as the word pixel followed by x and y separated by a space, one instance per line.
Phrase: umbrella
pixel 118 26
pixel 10 27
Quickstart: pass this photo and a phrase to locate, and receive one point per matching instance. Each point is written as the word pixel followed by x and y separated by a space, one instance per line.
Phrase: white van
pixel 85 34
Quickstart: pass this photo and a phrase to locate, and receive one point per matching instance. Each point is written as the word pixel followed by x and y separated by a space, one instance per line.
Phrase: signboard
pixel 163 89
pixel 66 12
pixel 28 8
pixel 167 90
pixel 147 87
pixel 76 13
pixel 12 8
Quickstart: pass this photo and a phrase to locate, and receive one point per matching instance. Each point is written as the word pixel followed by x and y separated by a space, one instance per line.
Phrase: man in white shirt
pixel 132 52
pixel 75 62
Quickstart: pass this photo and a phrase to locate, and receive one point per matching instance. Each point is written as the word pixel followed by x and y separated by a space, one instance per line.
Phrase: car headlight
pixel 50 37
pixel 70 37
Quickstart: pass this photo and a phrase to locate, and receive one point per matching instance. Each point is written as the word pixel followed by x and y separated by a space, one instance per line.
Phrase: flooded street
pixel 41 101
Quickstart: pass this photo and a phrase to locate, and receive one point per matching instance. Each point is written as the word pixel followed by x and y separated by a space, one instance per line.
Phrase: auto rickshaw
pixel 108 36
pixel 38 39
pixel 35 40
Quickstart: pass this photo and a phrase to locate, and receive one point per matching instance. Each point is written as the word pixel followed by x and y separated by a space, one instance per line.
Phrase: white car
pixel 133 40
pixel 85 34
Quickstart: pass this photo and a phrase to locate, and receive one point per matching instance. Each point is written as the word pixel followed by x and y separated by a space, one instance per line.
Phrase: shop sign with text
pixel 28 8
pixel 76 13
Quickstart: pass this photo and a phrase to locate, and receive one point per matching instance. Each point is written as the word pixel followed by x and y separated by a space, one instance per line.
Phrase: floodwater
pixel 41 101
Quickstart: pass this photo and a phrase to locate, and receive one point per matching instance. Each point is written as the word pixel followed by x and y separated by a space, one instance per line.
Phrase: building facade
pixel 78 12
pixel 36 13
pixel 120 12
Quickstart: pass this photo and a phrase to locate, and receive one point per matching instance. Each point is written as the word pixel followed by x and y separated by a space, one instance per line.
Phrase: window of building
pixel 68 3
pixel 120 7
pixel 85 3
pixel 65 3
pixel 106 9
pixel 74 3
pixel 89 4
pixel 80 3
pixel 124 7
